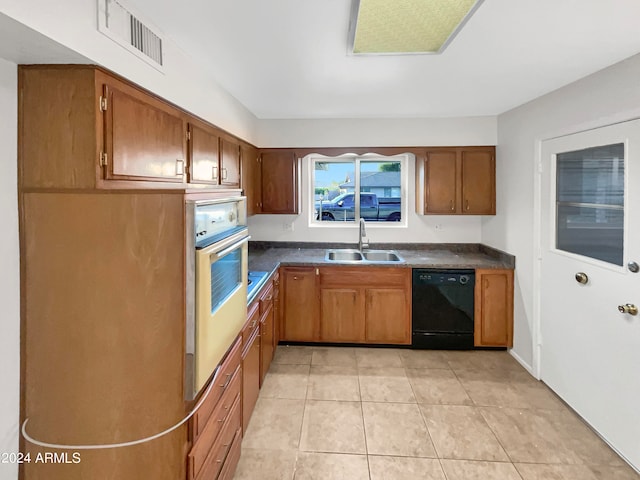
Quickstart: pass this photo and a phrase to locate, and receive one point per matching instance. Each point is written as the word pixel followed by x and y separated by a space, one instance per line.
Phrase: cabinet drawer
pixel 206 461
pixel 233 457
pixel 266 297
pixel 210 428
pixel 223 381
pixel 252 324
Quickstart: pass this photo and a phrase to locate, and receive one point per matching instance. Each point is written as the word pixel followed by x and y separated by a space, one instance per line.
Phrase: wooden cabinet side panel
pixel 144 139
pixel 250 379
pixel 299 304
pixel 57 142
pixel 279 172
pixel 203 155
pixel 478 182
pixel 103 330
pixel 266 343
pixel 387 315
pixel 441 173
pixel 341 315
pixel 494 308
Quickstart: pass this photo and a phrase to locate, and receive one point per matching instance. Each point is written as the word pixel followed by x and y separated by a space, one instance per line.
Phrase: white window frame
pixel 404 160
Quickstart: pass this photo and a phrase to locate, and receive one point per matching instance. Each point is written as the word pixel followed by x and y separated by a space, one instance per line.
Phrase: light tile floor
pixel 392 414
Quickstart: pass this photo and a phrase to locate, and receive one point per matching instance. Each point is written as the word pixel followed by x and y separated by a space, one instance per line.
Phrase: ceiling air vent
pixel 123 26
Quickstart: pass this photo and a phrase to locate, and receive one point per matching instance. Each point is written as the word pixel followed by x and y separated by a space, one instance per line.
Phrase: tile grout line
pixel 304 408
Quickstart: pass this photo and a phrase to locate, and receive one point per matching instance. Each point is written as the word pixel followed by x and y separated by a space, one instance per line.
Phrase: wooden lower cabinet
pixel 387 315
pixel 341 315
pixel 347 305
pixel 493 308
pixel 218 420
pixel 299 304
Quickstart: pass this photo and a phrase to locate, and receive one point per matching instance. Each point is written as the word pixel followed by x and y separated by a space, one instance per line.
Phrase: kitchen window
pixel 346 189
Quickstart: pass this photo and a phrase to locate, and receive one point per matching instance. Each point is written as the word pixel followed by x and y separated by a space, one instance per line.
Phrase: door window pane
pixel 590 202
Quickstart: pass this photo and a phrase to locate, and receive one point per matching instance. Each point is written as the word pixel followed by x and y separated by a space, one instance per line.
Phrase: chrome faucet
pixel 362 244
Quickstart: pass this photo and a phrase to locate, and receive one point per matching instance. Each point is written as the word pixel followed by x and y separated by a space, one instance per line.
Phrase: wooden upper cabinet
pixel 203 155
pixel 144 139
pixel 456 181
pixel 441 182
pixel 493 308
pixel 251 178
pixel 229 163
pixel 478 182
pixel 279 177
pixel 82 127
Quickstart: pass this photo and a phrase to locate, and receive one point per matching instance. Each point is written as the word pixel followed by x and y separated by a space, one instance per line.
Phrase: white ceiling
pixel 288 58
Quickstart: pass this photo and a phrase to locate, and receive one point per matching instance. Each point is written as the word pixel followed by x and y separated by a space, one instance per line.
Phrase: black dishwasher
pixel 442 308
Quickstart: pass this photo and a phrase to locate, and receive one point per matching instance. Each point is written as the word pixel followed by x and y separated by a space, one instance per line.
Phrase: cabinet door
pixel 144 138
pixel 266 343
pixel 478 182
pixel 279 172
pixel 387 315
pixel 493 308
pixel 251 179
pixel 441 182
pixel 300 304
pixel 250 379
pixel 341 315
pixel 229 163
pixel 203 156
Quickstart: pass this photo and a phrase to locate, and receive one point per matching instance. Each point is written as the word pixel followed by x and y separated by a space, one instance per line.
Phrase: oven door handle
pixel 222 253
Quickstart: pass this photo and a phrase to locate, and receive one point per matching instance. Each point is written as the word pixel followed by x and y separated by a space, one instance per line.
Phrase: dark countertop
pixel 267 256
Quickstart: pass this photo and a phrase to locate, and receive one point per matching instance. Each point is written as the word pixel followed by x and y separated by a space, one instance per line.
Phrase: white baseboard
pixel 524 364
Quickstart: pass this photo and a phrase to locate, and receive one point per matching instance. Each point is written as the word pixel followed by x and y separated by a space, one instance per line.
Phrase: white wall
pixel 73 24
pixel 388 132
pixel 609 96
pixel 9 266
pixel 373 133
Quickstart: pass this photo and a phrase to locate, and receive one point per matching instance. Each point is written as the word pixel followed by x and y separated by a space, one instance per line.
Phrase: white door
pixel 590 224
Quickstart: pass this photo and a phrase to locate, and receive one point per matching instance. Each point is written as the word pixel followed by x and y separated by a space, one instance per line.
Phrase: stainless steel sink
pixel 348 255
pixel 381 256
pixel 343 255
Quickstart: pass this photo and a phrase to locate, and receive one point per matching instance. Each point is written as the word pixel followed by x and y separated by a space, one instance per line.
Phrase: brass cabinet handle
pixel 452 206
pixel 467 204
pixel 629 308
pixel 179 167
pixel 224 385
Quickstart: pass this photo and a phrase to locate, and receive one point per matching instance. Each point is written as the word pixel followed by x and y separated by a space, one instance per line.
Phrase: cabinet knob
pixel 467 204
pixel 582 278
pixel 452 205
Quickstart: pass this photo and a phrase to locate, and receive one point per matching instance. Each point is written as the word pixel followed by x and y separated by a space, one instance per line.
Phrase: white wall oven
pixel 216 283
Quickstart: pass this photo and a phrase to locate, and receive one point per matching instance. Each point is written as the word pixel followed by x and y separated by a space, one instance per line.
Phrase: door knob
pixel 629 308
pixel 582 278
